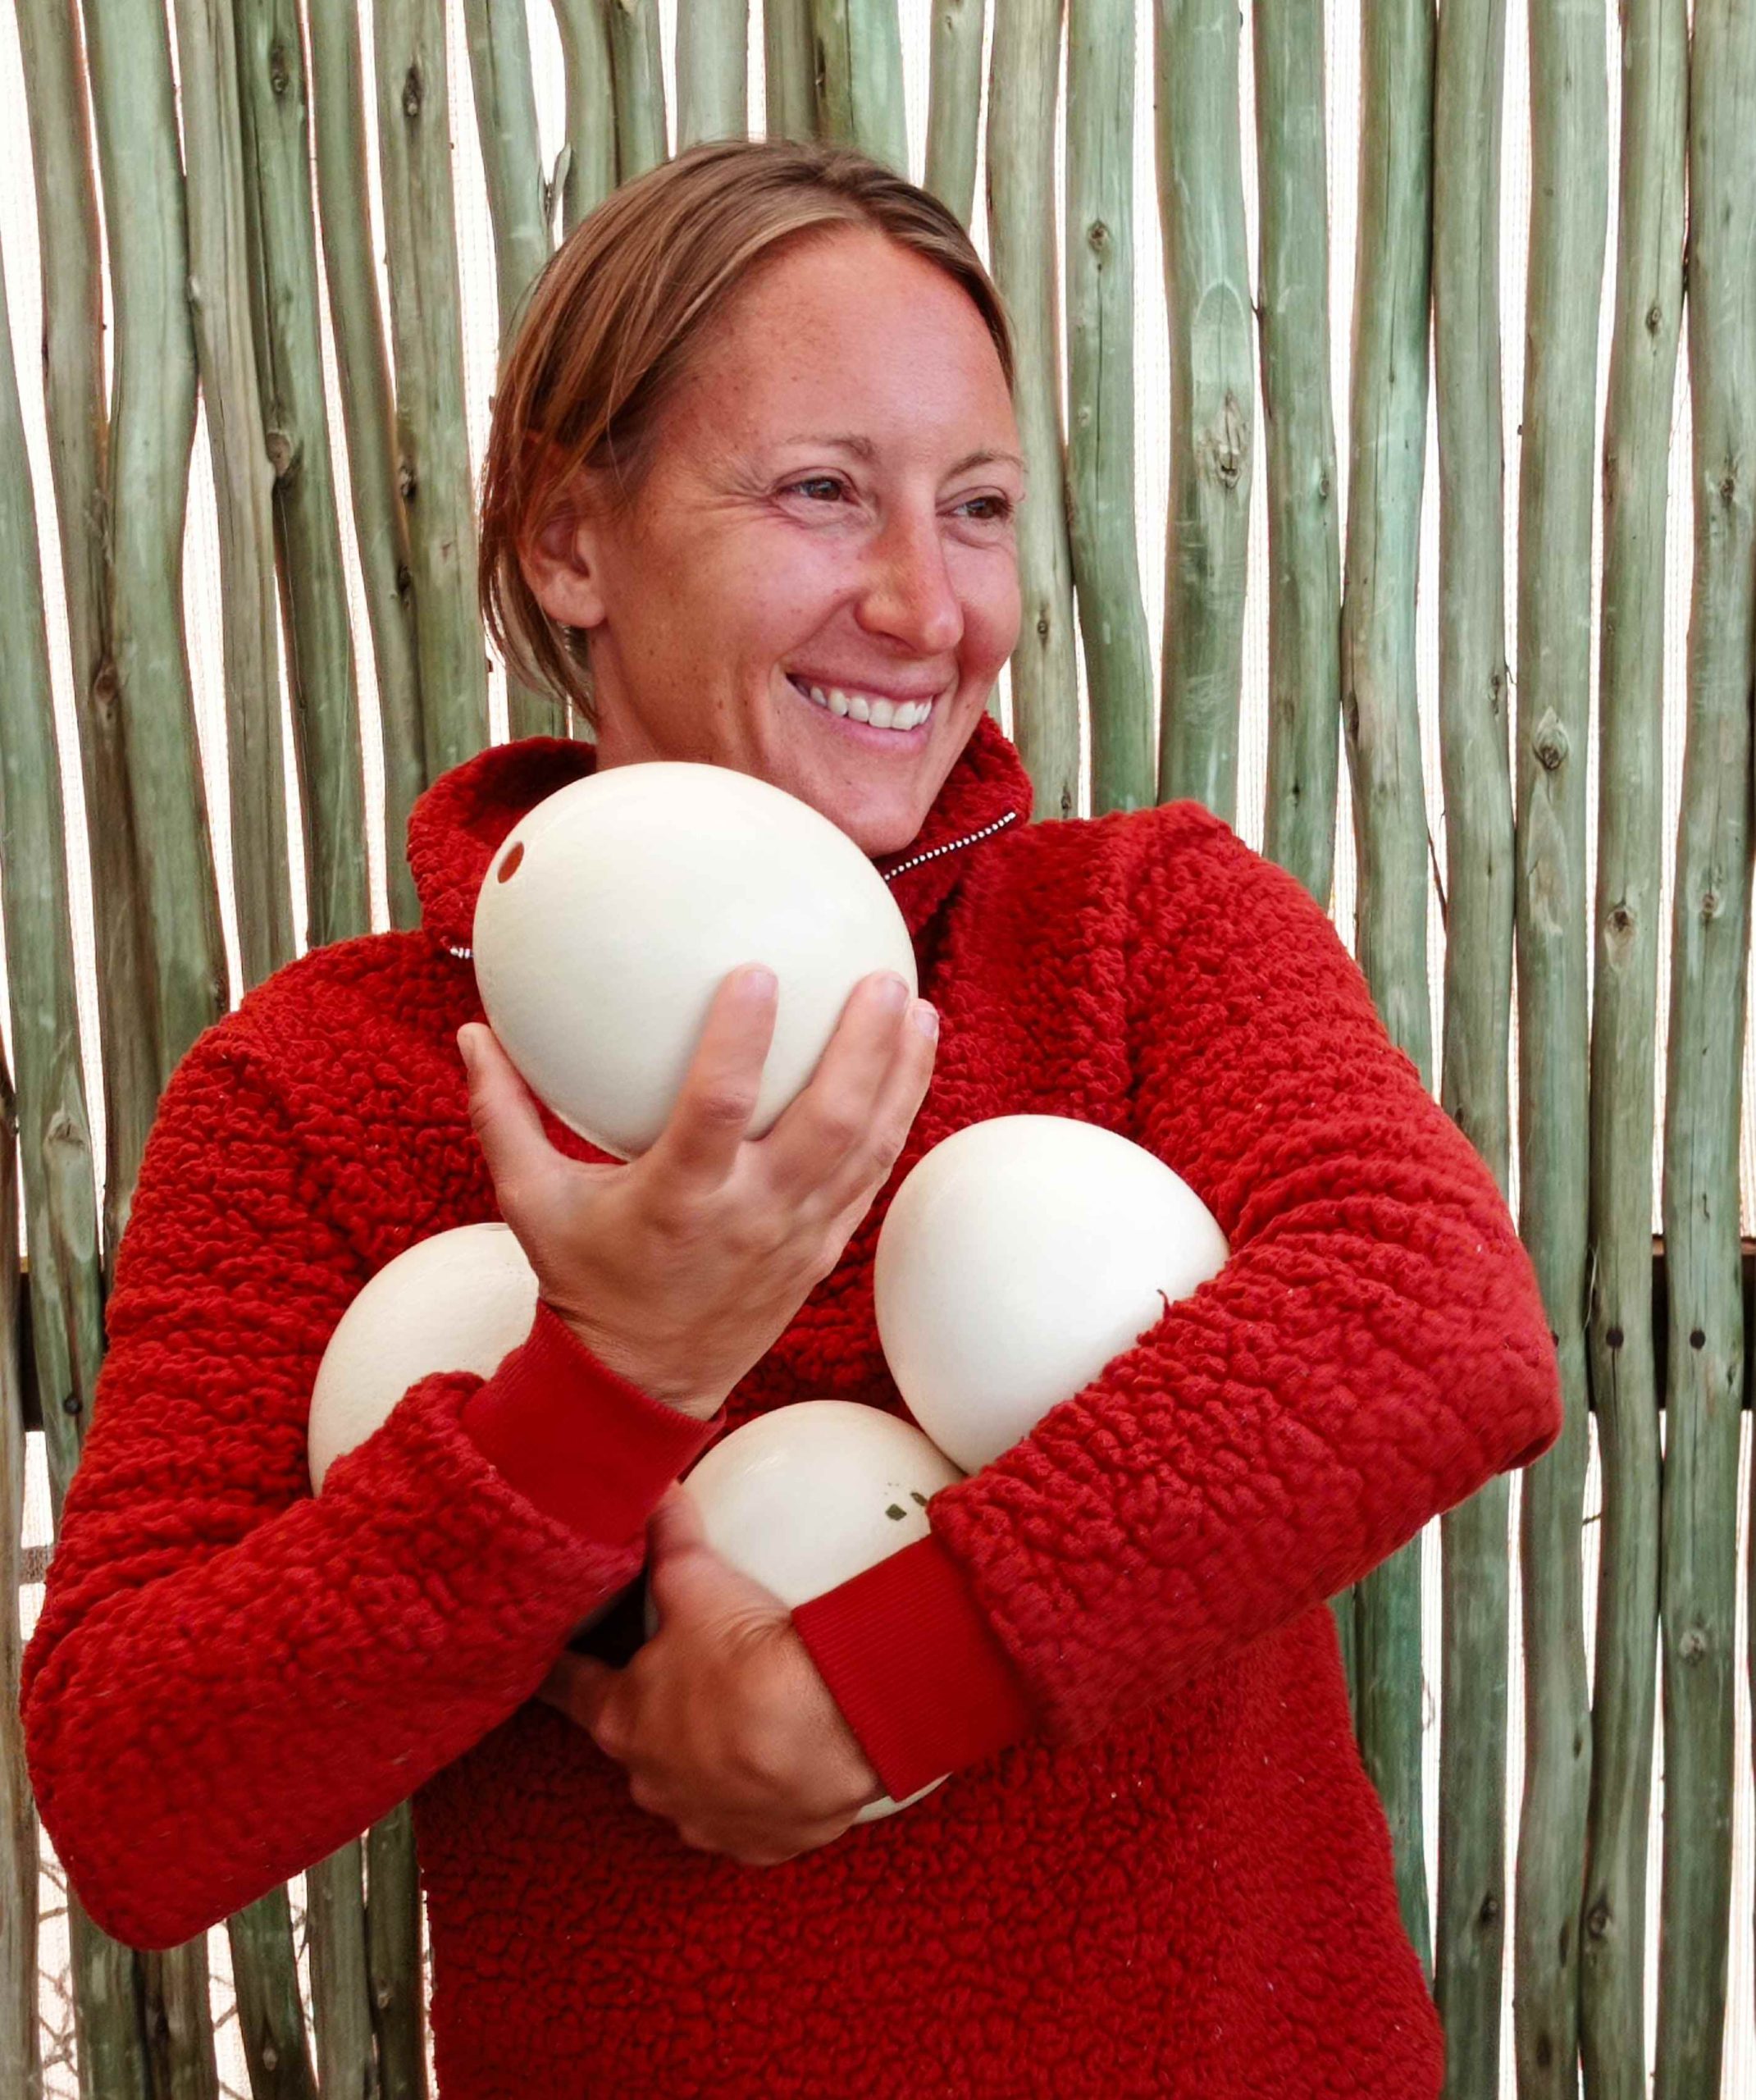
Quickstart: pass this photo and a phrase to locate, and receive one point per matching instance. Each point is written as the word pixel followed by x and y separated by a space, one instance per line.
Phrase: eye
pixel 813 482
pixel 998 511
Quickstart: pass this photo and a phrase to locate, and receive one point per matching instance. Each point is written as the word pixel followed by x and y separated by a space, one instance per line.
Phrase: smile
pixel 894 716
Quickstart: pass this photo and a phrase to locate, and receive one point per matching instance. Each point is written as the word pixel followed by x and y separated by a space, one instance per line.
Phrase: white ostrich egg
pixel 460 1301
pixel 613 910
pixel 1017 1258
pixel 808 1496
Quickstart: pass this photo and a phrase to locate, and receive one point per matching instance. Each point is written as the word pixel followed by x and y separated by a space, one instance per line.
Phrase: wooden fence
pixel 218 254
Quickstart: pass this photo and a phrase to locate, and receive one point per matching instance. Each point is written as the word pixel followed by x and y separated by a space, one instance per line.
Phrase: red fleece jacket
pixel 1158 1868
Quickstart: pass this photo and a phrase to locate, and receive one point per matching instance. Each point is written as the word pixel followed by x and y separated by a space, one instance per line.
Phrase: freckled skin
pixel 893 567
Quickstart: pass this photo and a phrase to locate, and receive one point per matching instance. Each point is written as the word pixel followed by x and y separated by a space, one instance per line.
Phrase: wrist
pixel 686 1396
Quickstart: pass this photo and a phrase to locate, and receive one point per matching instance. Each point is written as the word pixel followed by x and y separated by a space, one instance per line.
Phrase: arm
pixel 1373 1352
pixel 231 1678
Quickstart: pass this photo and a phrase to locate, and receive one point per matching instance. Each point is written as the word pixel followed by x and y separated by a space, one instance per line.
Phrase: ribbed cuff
pixel 913 1665
pixel 577 1438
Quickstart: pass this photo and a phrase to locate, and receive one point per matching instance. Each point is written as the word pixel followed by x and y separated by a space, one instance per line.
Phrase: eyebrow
pixel 863 448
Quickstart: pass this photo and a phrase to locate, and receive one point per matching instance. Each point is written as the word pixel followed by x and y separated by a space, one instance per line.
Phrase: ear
pixel 560 564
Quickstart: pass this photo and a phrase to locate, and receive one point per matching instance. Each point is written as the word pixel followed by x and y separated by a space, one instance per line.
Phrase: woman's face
pixel 832 507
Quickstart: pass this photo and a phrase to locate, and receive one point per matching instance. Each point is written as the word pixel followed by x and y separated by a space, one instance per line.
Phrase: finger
pixel 502 1111
pixel 685 1578
pixel 891 1117
pixel 698 1145
pixel 579 1685
pixel 830 1120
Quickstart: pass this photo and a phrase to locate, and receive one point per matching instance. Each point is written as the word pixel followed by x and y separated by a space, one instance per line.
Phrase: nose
pixel 910 598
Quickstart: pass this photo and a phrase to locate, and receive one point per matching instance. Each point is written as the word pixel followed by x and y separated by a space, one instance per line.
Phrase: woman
pixel 754 462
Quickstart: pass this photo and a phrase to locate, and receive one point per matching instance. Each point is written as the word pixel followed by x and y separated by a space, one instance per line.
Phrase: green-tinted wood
pixel 179 2023
pixel 712 66
pixel 271 2014
pixel 499 61
pixel 954 103
pixel 219 298
pixel 54 1137
pixel 789 69
pixel 1304 534
pixel 1212 399
pixel 20 2040
pixel 1569 190
pixel 151 432
pixel 637 73
pixel 380 523
pixel 1630 693
pixel 1021 91
pixel 590 148
pixel 307 525
pixel 341 1985
pixel 1380 728
pixel 393 1941
pixel 1709 929
pixel 859 102
pixel 1101 401
pixel 1474 705
pixel 427 332
pixel 77 423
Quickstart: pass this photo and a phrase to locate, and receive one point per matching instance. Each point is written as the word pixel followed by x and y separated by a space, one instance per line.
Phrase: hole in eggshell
pixel 509 866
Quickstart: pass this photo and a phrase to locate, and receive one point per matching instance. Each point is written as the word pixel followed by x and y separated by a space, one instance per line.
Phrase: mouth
pixel 881 724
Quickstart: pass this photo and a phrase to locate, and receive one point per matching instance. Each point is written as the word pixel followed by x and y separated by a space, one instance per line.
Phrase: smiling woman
pixel 751 485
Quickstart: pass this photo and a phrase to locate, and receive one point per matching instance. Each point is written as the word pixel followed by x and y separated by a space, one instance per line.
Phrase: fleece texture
pixel 1158 1868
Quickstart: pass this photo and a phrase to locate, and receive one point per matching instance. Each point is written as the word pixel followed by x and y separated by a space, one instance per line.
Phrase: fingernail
pixel 897 991
pixel 757 984
pixel 926 1018
pixel 467 1049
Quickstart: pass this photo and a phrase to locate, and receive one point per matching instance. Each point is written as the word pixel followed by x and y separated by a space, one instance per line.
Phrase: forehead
pixel 848 333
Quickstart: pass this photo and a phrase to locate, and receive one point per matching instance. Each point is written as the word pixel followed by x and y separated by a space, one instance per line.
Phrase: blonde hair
pixel 611 325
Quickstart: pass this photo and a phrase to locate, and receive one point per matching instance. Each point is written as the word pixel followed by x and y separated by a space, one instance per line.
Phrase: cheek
pixel 993 611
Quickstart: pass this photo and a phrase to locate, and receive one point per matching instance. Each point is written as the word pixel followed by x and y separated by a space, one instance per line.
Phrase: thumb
pixel 577 1686
pixel 686 1576
pixel 502 1110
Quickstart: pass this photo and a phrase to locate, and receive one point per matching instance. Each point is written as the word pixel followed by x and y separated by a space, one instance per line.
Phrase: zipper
pixel 918 859
pixel 953 846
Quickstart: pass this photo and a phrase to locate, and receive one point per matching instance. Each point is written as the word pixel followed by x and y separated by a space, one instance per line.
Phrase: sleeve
pixel 1373 1352
pixel 231 1677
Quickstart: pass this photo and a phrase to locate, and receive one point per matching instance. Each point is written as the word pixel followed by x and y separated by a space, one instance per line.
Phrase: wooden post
pixel 1698 1571
pixel 1630 814
pixel 954 103
pixel 325 699
pixel 1021 90
pixel 1212 400
pixel 1569 191
pixel 1101 404
pixel 1381 732
pixel 1474 704
pixel 380 523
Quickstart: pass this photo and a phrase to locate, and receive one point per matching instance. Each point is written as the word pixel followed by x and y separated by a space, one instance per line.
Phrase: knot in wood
pixel 1697 1339
pixel 1489 1912
pixel 1323 486
pixel 1597 1919
pixel 412 92
pixel 1693 1645
pixel 1728 486
pixel 1042 625
pixel 71 1404
pixel 1710 906
pixel 1098 234
pixel 1613 1338
pixel 281 452
pixel 1654 319
pixel 1550 745
pixel 271 2057
pixel 280 73
pixel 407 481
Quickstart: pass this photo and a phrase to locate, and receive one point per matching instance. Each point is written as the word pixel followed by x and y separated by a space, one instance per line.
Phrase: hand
pixel 723 1720
pixel 683 1267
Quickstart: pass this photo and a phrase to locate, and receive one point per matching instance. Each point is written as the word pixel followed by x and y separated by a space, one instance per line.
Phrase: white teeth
pixel 880 713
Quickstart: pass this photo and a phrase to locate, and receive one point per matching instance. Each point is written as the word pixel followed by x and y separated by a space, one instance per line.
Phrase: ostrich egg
pixel 808 1496
pixel 1017 1258
pixel 459 1301
pixel 613 910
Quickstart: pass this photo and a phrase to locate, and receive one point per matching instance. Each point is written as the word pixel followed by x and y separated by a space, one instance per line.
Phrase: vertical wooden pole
pixel 1631 815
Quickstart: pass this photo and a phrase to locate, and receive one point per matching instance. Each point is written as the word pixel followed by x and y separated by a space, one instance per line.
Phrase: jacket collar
pixel 456 827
